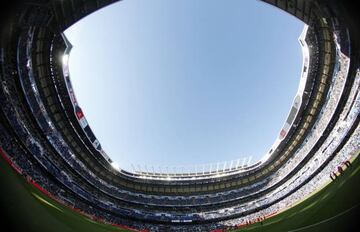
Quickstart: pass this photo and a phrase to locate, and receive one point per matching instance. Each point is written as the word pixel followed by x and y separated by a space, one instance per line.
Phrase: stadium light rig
pixel 115 166
pixel 65 59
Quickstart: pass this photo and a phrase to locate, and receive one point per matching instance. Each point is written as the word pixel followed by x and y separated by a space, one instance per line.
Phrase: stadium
pixel 55 176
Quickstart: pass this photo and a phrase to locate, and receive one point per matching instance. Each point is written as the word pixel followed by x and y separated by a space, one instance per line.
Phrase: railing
pixel 201 170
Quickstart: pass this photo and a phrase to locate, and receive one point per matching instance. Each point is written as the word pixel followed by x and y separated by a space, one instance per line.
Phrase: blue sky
pixel 166 82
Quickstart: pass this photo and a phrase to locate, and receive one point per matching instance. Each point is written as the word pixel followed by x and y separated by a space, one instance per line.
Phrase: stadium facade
pixel 45 136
